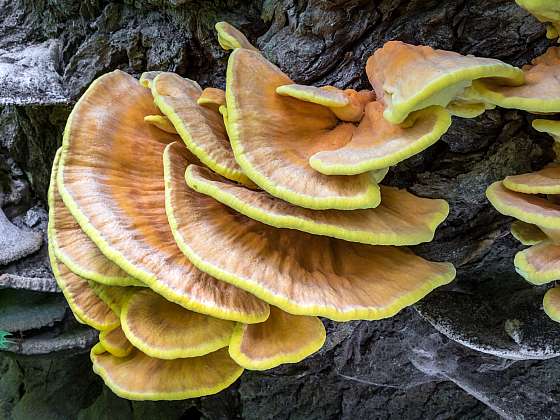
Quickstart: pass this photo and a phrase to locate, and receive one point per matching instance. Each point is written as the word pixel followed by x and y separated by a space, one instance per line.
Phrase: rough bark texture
pixel 481 348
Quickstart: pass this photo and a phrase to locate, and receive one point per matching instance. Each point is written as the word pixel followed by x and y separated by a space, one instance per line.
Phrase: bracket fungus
pixel 408 78
pixel 282 338
pixel 157 379
pixel 133 205
pixel 551 303
pixel 111 180
pixel 527 233
pixel 540 93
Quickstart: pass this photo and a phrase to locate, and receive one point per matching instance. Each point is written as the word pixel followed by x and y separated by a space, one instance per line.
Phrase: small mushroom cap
pixel 540 93
pixel 462 109
pixel 111 178
pixel 74 248
pixel 548 126
pixel 410 77
pixel 115 342
pixel 545 181
pixel 527 233
pixel 212 98
pixel 377 144
pixel 400 219
pixel 292 270
pixel 147 78
pixel 230 37
pixel 274 136
pixel 160 122
pixel 282 338
pixel 526 207
pixel 540 263
pixel 201 128
pixel 87 307
pixel 140 377
pixel 551 303
pixel 164 330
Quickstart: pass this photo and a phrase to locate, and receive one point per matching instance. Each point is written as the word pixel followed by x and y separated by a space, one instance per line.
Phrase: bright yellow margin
pixel 283 358
pixel 172 353
pixel 397 112
pixel 315 95
pixel 528 272
pixel 521 233
pixel 147 278
pixel 544 221
pixel 442 124
pixel 516 102
pixel 254 212
pixel 529 189
pixel 155 396
pixel 114 350
pixel 198 149
pixel 368 199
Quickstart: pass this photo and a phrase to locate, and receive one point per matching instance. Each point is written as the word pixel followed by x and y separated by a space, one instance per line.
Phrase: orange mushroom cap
pixel 545 181
pixel 551 303
pixel 111 180
pixel 115 342
pixel 231 38
pixel 212 98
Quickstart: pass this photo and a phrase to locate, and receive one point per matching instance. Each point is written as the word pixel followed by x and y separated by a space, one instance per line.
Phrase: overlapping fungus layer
pixel 203 232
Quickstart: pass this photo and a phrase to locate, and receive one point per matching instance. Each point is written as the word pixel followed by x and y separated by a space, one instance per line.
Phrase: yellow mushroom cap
pixel 140 377
pixel 526 207
pixel 548 126
pixel 465 109
pixel 282 338
pixel 545 181
pixel 539 93
pixel 164 330
pixel 544 11
pixel 87 307
pixel 400 219
pixel 212 98
pixel 551 303
pixel 377 144
pixel 230 37
pixel 74 248
pixel 115 342
pixel 539 263
pixel 527 233
pixel 300 273
pixel 201 128
pixel 160 122
pixel 111 179
pixel 408 77
pixel 274 136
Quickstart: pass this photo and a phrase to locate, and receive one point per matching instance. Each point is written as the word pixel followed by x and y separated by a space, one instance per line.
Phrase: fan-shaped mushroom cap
pixel 147 78
pixel 83 301
pixel 113 296
pixel 525 207
pixel 400 219
pixel 230 37
pixel 201 128
pixel 111 179
pixel 545 11
pixel 548 126
pixel 300 273
pixel 377 144
pixel 115 342
pixel 165 330
pixel 412 77
pixel 551 303
pixel 347 105
pixel 545 181
pixel 527 233
pixel 540 93
pixel 140 377
pixel 74 248
pixel 539 263
pixel 212 98
pixel 282 338
pixel 274 136
pixel 160 122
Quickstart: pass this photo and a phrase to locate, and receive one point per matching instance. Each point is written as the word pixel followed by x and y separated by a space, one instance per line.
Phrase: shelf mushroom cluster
pixel 203 232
